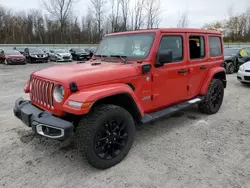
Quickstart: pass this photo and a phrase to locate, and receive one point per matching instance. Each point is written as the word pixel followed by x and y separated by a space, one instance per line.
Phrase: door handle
pixel 203 67
pixel 182 71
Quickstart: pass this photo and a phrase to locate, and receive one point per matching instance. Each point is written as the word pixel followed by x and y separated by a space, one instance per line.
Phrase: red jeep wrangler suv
pixel 133 77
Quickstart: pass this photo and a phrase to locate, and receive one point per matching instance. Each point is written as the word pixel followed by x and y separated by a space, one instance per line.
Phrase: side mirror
pixel 164 56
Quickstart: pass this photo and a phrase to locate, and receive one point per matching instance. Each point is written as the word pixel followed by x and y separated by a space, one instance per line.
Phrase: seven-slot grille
pixel 42 92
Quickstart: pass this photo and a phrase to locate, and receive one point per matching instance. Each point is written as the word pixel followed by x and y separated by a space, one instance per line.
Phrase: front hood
pixel 82 53
pixel 38 53
pixel 15 57
pixel 86 73
pixel 247 65
pixel 64 54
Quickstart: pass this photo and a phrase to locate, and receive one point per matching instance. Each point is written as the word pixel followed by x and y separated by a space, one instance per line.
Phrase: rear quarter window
pixel 215 48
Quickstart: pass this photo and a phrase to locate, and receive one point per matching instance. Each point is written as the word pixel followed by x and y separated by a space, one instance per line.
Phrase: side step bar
pixel 170 110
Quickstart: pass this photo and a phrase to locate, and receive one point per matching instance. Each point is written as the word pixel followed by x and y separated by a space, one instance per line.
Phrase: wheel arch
pixel 215 73
pixel 124 100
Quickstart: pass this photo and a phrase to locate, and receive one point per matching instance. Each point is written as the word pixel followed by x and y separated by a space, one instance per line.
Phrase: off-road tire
pixel 206 105
pixel 230 68
pixel 90 124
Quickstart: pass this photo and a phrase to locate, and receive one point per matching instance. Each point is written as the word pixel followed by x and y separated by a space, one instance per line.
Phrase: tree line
pixel 236 28
pixel 59 25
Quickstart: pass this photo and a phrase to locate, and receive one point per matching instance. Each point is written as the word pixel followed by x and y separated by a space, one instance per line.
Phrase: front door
pixel 170 80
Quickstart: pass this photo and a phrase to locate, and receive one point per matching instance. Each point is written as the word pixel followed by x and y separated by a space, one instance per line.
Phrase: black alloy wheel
pixel 111 139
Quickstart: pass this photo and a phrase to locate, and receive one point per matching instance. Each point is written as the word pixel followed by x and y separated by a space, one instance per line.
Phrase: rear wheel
pixel 213 98
pixel 230 68
pixel 106 135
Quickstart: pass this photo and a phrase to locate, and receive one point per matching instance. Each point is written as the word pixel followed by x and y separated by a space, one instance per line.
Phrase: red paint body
pixel 165 86
pixel 14 58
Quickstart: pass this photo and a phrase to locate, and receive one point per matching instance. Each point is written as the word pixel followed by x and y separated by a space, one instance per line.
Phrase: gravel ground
pixel 188 150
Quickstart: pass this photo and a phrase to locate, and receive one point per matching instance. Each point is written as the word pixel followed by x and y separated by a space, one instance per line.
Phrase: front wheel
pixel 230 68
pixel 213 99
pixel 105 136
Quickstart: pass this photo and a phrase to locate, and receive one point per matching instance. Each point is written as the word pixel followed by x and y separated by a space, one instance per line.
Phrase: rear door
pixel 198 65
pixel 170 80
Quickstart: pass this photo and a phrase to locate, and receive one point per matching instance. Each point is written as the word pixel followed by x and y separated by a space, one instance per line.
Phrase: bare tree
pixel 138 17
pixel 114 16
pixel 98 6
pixel 183 20
pixel 152 12
pixel 125 13
pixel 60 10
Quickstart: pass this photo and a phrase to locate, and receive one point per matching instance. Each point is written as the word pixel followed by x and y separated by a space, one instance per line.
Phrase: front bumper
pixel 84 57
pixel 64 59
pixel 243 76
pixel 42 122
pixel 16 62
pixel 39 59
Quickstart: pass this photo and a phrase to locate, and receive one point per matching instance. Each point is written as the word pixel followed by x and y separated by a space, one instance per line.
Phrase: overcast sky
pixel 199 11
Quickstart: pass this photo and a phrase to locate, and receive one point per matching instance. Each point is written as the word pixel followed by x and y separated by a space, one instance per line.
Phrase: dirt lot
pixel 188 150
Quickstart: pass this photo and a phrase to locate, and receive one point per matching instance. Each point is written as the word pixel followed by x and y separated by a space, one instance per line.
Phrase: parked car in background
pixel 91 51
pixel 34 54
pixel 79 54
pixel 20 49
pixel 234 58
pixel 11 57
pixel 243 74
pixel 60 55
pixel 46 50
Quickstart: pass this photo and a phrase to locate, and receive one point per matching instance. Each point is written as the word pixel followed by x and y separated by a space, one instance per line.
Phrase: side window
pixel 215 46
pixel 196 47
pixel 174 43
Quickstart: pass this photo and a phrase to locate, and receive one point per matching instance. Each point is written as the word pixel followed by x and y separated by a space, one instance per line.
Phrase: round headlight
pixel 58 93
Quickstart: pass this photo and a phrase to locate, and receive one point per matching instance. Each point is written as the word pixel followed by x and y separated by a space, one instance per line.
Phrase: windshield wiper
pixel 122 58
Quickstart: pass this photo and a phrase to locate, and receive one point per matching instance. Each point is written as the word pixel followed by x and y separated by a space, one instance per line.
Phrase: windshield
pixel 79 50
pixel 20 48
pixel 12 53
pixel 230 51
pixel 131 46
pixel 34 50
pixel 61 51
